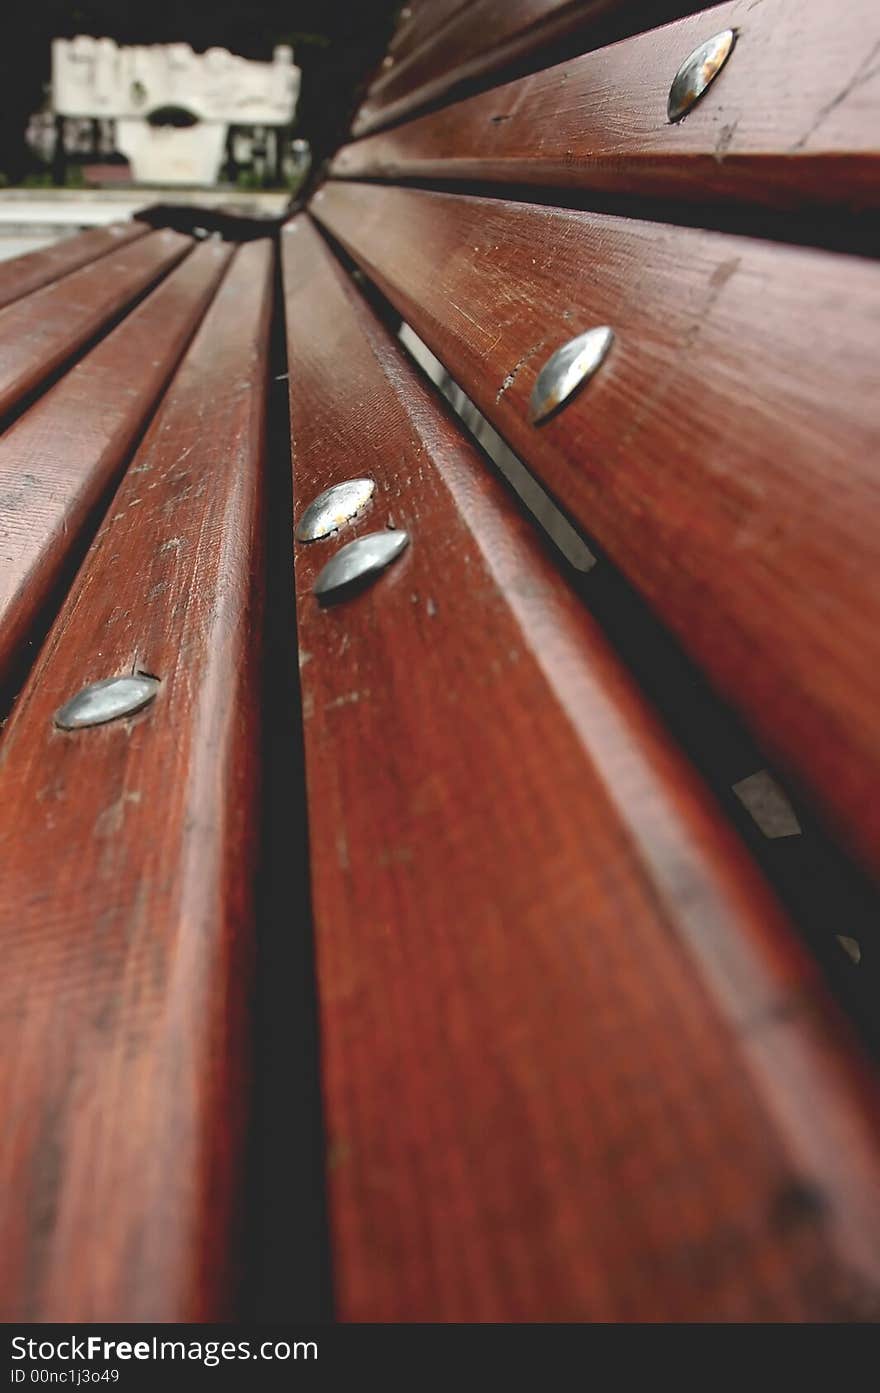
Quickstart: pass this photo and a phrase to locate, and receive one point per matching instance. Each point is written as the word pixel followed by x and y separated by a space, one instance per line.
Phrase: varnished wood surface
pixel 793 119
pixel 575 1066
pixel 488 35
pixel 21 275
pixel 38 333
pixel 58 459
pixel 128 851
pixel 725 455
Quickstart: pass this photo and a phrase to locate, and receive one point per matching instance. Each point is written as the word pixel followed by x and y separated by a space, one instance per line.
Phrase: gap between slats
pixel 834 230
pixel 782 145
pixel 721 461
pixel 831 901
pixel 15 664
pixel 129 914
pixel 286 1258
pixel 394 932
pixel 526 37
pixel 71 349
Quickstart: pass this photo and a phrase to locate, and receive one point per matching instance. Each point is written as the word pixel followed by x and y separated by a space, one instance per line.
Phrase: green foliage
pixel 42 179
pixel 248 179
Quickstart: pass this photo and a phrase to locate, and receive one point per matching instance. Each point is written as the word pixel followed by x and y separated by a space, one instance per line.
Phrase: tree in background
pixel 337 43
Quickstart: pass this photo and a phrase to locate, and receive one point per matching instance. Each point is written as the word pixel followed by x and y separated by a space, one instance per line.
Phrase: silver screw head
pixel 333 508
pixel 358 562
pixel 567 369
pixel 698 70
pixel 106 701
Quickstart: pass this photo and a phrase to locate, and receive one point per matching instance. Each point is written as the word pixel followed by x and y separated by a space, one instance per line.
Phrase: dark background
pixel 337 43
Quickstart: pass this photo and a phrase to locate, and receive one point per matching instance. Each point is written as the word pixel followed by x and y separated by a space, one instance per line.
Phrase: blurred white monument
pixel 172 107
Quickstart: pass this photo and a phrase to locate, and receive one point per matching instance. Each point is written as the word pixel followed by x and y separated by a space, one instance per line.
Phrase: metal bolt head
pixel 359 562
pixel 333 508
pixel 698 70
pixel 851 947
pixel 106 701
pixel 567 369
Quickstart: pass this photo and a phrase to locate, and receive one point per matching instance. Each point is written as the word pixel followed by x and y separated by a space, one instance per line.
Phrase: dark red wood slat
pixel 23 274
pixel 793 120
pixel 575 1066
pixel 489 35
pixel 725 455
pixel 418 22
pixel 126 917
pixel 39 333
pixel 58 459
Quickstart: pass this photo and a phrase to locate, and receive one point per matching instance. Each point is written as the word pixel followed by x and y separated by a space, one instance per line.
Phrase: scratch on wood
pixel 863 74
pixel 347 699
pixel 723 143
pixel 514 372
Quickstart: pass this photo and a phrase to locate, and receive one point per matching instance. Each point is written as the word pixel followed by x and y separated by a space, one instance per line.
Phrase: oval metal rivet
pixel 359 561
pixel 333 508
pixel 851 947
pixel 698 70
pixel 568 368
pixel 106 701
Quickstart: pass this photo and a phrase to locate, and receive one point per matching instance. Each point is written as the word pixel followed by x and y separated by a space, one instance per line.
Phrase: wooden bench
pixel 591 1046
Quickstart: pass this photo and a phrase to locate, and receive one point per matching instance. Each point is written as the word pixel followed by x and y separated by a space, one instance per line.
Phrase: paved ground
pixel 31 218
pixel 17 246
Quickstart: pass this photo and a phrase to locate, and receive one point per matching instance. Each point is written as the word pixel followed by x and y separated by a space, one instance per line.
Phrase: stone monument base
pixel 172 154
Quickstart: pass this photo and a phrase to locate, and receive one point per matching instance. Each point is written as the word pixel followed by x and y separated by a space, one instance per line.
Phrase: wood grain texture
pixel 575 1065
pixel 128 853
pixel 793 120
pixel 488 35
pixel 725 456
pixel 21 275
pixel 39 333
pixel 59 458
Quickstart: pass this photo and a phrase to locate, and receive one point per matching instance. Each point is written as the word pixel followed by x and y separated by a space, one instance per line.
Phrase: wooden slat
pixel 128 854
pixel 58 459
pixel 418 22
pixel 575 1066
pixel 39 333
pixel 21 275
pixel 489 35
pixel 792 121
pixel 726 455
